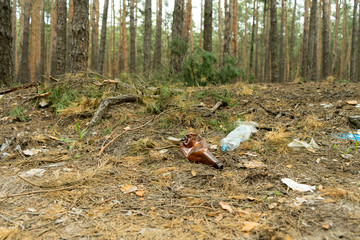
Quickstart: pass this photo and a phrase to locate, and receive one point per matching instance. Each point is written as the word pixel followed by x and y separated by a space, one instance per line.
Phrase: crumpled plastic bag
pixel 297 144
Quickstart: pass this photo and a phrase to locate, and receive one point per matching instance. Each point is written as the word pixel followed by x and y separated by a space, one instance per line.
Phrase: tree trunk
pixel 103 38
pixel 292 42
pixel 61 38
pixel 43 48
pixel 273 41
pixel 124 39
pixel 336 30
pixel 177 44
pixel 24 69
pixel 353 47
pixel 147 36
pixel 114 68
pixel 220 58
pixel 208 26
pixel 235 29
pixel 6 66
pixel 94 35
pixel 53 57
pixel 132 38
pixel 251 62
pixel 157 50
pixel 264 49
pixel 326 41
pixel 257 73
pixel 343 43
pixel 312 51
pixel 80 33
pixel 305 45
pixel 244 50
pixel 188 16
pixel 228 28
pixel 358 60
pixel 201 25
pixel 281 52
pixel 14 37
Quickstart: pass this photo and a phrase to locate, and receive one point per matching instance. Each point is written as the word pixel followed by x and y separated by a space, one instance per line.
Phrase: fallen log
pixel 106 103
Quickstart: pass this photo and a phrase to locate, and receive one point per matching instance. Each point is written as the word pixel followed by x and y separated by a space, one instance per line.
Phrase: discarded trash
pixel 196 149
pixel 297 186
pixel 33 172
pixel 347 136
pixel 352 102
pixel 240 134
pixel 297 144
pixel 354 120
pixel 357 106
pixel 326 105
pixel 5 145
pixel 31 152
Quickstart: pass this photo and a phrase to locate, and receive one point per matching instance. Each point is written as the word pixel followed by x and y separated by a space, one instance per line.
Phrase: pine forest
pixel 179 119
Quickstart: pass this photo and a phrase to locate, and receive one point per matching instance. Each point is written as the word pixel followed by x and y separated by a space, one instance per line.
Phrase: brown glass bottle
pixel 196 149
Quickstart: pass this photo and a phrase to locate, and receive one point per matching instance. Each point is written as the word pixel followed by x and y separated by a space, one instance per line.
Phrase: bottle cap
pixel 224 148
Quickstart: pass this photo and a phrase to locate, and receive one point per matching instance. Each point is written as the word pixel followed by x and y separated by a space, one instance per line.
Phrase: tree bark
pixel 132 38
pixel 273 41
pixel 24 69
pixel 124 38
pixel 43 48
pixel 251 62
pixel 157 50
pixel 257 73
pixel 177 44
pixel 228 28
pixel 292 41
pixel 103 38
pixel 235 29
pixel 14 37
pixel 188 17
pixel 94 35
pixel 336 30
pixel 358 51
pixel 244 50
pixel 326 41
pixel 208 26
pixel 61 38
pixel 201 25
pixel 343 43
pixel 220 58
pixel 80 33
pixel 312 50
pixel 53 38
pixel 147 36
pixel 281 46
pixel 353 47
pixel 6 66
pixel 305 45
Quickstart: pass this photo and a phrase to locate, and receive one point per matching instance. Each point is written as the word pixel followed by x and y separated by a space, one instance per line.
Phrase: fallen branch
pixel 217 106
pixel 125 131
pixel 29 182
pixel 37 192
pixel 29 85
pixel 11 221
pixel 36 96
pixel 106 103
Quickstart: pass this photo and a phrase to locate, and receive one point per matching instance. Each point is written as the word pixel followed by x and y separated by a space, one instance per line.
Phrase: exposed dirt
pixel 83 196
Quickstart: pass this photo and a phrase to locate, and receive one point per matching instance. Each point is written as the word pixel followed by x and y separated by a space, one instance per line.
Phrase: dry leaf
pixel 140 193
pixel 129 188
pixel 326 226
pixel 272 205
pixel 254 164
pixel 193 173
pixel 352 102
pixel 226 206
pixel 127 128
pixel 249 226
pixel 219 218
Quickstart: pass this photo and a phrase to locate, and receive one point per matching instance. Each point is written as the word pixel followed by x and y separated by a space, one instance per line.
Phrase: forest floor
pixel 142 187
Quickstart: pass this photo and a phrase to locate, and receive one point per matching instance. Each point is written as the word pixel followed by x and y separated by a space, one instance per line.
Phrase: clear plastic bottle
pixel 240 134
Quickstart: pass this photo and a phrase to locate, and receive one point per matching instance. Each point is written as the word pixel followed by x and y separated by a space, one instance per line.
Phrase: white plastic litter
pixel 297 144
pixel 240 134
pixel 31 152
pixel 297 186
pixel 326 105
pixel 5 145
pixel 33 172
